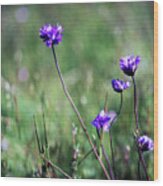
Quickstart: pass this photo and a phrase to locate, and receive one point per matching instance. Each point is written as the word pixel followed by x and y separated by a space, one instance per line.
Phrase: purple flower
pixel 119 85
pixel 129 64
pixel 102 121
pixel 145 143
pixel 51 35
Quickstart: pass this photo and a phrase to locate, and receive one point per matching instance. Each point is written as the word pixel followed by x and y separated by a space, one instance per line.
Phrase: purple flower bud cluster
pixel 129 64
pixel 51 35
pixel 145 143
pixel 119 85
pixel 104 120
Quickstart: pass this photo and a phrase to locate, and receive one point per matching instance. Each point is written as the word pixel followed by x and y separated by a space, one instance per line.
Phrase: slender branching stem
pixel 108 162
pixel 85 156
pixel 45 137
pixel 141 159
pixel 140 154
pixel 112 152
pixel 56 167
pixel 100 135
pixel 78 114
pixel 121 103
pixel 36 134
pixel 45 131
pixel 139 173
pixel 110 134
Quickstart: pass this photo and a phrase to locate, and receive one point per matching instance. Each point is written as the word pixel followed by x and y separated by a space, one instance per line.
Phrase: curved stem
pixel 77 113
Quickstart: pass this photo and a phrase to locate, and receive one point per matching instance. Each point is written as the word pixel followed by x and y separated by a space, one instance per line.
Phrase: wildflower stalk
pixel 17 118
pixel 102 148
pixel 141 159
pixel 36 134
pixel 85 156
pixel 121 102
pixel 49 163
pixel 75 153
pixel 108 162
pixel 45 136
pixel 112 152
pixel 110 134
pixel 135 105
pixel 140 154
pixel 78 114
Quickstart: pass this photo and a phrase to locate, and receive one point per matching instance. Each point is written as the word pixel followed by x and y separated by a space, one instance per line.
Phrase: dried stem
pixel 77 113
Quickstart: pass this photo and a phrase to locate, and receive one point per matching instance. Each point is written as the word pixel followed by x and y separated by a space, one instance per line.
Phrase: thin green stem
pixel 78 114
pixel 135 104
pixel 36 134
pixel 121 103
pixel 112 152
pixel 110 134
pixel 140 154
pixel 108 162
pixel 100 135
pixel 85 156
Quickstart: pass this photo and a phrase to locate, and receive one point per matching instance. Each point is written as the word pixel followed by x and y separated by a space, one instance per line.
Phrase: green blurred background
pixel 95 37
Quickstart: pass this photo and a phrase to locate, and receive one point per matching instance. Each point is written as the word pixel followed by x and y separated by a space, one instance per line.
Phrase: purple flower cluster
pixel 145 143
pixel 119 85
pixel 101 120
pixel 51 35
pixel 129 64
pixel 104 120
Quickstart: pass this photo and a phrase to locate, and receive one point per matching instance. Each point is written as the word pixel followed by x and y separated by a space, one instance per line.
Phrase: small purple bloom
pixel 129 64
pixel 119 85
pixel 101 121
pixel 51 35
pixel 145 143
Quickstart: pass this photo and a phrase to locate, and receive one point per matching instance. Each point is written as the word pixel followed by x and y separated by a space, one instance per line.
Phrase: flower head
pixel 129 64
pixel 119 85
pixel 104 120
pixel 51 35
pixel 101 120
pixel 145 143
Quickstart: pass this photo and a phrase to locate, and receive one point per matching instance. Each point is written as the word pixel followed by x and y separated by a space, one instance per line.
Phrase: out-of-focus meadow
pixel 95 37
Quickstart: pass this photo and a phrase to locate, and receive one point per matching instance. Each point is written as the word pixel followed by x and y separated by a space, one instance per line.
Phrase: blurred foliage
pixel 96 35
